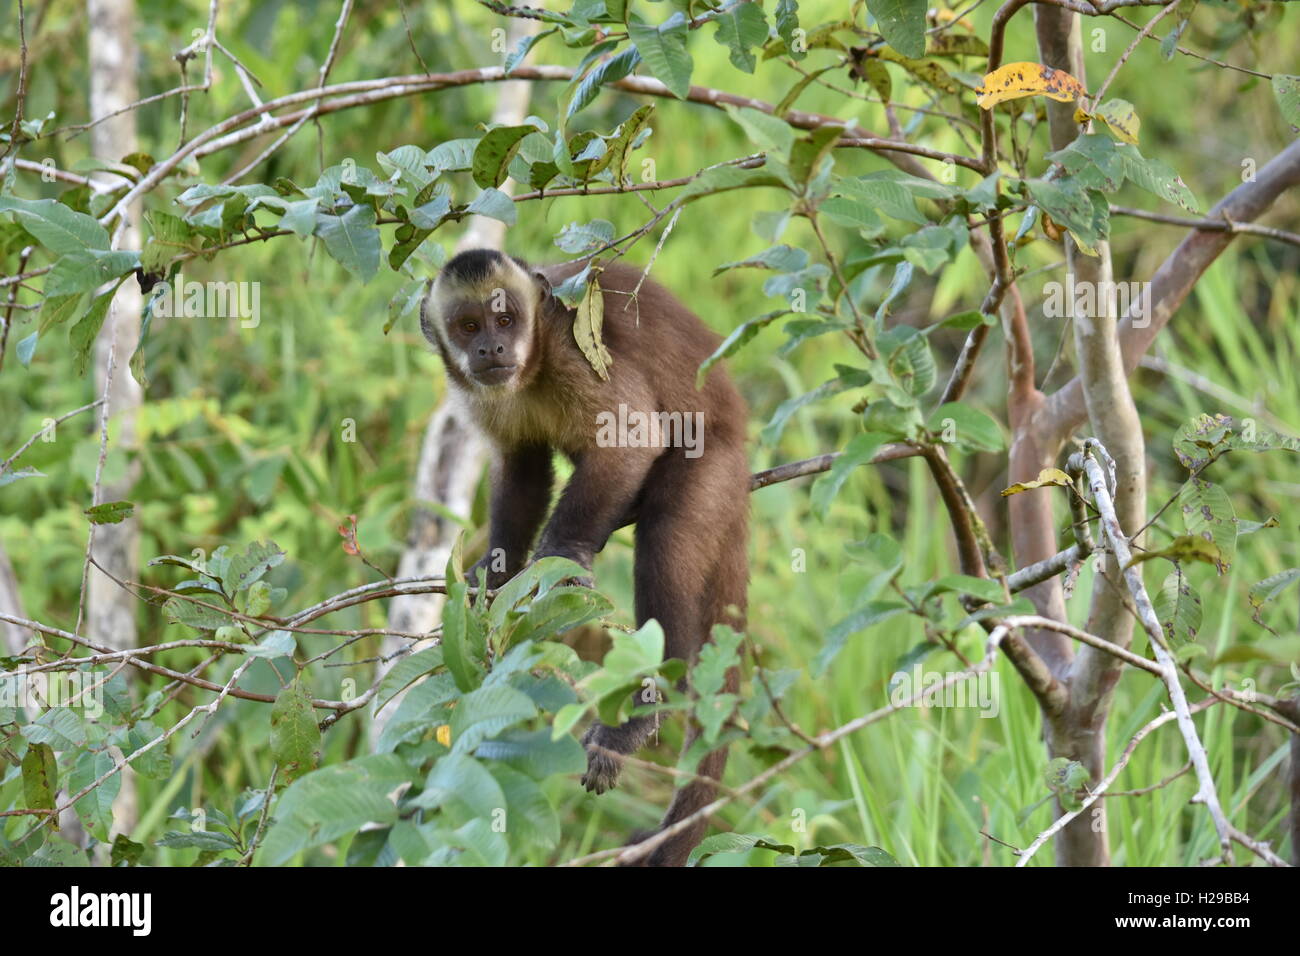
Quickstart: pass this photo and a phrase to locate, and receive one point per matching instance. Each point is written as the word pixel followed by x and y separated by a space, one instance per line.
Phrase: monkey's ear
pixel 543 284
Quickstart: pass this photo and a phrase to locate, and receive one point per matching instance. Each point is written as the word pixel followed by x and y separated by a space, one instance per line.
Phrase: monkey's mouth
pixel 495 374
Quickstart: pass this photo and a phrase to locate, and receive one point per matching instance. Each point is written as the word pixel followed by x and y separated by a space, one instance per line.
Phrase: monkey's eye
pixel 504 321
pixel 469 327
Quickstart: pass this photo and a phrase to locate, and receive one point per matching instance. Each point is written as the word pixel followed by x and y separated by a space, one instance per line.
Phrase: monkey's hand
pixel 603 764
pixel 481 573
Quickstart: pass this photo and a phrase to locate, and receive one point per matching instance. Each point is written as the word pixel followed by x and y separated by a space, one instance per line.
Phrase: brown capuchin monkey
pixel 511 356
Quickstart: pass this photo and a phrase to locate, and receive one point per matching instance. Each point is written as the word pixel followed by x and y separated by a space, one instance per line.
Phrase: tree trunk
pixel 111 609
pixel 453 453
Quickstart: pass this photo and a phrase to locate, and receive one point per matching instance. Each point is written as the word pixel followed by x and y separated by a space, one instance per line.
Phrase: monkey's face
pixel 491 338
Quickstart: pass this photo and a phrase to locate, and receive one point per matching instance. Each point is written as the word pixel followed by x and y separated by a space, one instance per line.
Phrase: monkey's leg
pixel 721 600
pixel 521 492
pixel 606 483
pixel 677 549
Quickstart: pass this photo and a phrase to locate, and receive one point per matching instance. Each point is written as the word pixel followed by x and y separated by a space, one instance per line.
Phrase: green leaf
pixel 559 611
pixel 780 258
pixel 275 644
pixel 529 815
pixel 300 217
pixel 458 646
pixel 1178 608
pixel 95 809
pixel 1207 512
pixel 1084 212
pixel 534 752
pixel 517 55
pixel 213 841
pixel 577 237
pixel 55 226
pixel 764 130
pixel 849 378
pixel 40 777
pixel 87 270
pixel 972 428
pixel 406 672
pixel 494 204
pixel 331 803
pixel 57 309
pixel 12 475
pixel 858 452
pixel 492 155
pixel 741 27
pixel 1266 590
pixel 854 213
pixel 985 589
pixel 486 712
pixel 787 21
pixel 60 727
pixel 610 71
pixel 353 240
pixel 722 179
pixel 619 145
pixel 110 512
pixel 663 48
pixel 26 347
pixel 82 335
pixel 295 735
pixel 869 615
pixel 886 196
pixel 1169 45
pixel 735 341
pixel 459 777
pixel 1186 547
pixel 194 615
pixel 902 23
pixel 250 566
pixel 809 152
pixel 1287 90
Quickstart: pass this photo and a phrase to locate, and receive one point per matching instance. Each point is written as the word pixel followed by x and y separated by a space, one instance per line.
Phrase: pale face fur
pixel 486 327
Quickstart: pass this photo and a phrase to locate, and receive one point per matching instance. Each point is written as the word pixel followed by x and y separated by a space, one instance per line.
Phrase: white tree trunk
pixel 453 453
pixel 110 609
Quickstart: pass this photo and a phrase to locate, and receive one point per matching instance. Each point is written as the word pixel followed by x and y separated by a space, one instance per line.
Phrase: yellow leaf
pixel 1028 79
pixel 948 16
pixel 1052 231
pixel 586 330
pixel 1048 476
pixel 1122 119
pixel 443 734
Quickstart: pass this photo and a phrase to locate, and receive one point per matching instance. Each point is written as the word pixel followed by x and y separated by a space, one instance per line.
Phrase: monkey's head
pixel 482 314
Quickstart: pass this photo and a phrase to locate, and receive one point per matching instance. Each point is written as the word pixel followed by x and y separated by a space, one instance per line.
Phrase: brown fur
pixel 691 569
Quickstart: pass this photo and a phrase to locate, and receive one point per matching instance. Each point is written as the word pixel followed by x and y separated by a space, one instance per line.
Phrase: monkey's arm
pixel 521 492
pixel 596 501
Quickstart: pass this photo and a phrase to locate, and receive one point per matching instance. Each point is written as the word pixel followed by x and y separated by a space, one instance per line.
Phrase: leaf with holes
pixel 1178 608
pixel 1015 80
pixel 1046 477
pixel 1208 513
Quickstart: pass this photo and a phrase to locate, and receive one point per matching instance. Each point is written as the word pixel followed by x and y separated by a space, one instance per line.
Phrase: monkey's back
pixel 657 345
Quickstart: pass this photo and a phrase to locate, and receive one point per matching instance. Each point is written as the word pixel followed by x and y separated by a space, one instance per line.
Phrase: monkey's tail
pixel 730 587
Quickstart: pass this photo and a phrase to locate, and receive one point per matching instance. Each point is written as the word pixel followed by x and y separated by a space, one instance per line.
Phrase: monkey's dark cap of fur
pixel 473 265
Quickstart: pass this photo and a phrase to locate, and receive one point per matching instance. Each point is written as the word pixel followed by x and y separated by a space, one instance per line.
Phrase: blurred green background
pixel 240 434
